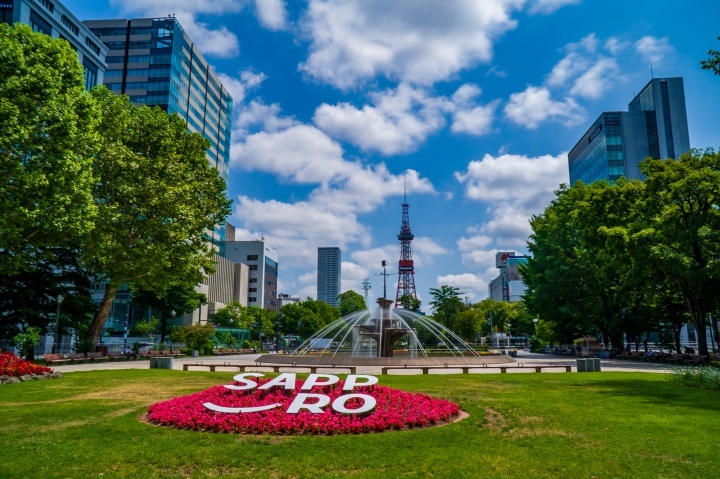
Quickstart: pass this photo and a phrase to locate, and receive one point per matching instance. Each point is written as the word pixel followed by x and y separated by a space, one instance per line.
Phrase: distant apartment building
pixel 52 18
pixel 155 63
pixel 508 286
pixel 262 261
pixel 655 125
pixel 329 275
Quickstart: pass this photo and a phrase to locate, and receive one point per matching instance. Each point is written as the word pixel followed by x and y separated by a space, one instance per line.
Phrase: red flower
pixel 11 365
pixel 395 409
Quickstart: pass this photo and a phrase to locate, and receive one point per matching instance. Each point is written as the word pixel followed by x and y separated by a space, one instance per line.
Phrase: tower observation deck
pixel 406 269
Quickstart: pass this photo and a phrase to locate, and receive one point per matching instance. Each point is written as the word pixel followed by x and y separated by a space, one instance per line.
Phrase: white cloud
pixel 260 115
pixel 398 121
pixel 238 86
pixel 271 13
pixel 471 285
pixel 614 45
pixel 534 105
pixel 353 41
pixel 654 50
pixel 596 80
pixel 468 116
pixel 353 275
pixel 219 42
pixel 570 66
pixel 549 6
pixel 513 188
pixel 526 181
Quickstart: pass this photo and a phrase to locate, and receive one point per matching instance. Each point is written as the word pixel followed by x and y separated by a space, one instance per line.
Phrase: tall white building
pixel 262 261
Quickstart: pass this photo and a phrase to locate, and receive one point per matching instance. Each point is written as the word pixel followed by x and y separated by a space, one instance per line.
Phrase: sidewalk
pixel 523 358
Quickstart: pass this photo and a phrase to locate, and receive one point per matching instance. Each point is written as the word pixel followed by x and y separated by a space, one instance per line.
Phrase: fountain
pixel 384 337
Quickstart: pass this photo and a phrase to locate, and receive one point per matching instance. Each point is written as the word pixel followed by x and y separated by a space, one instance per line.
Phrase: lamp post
pixel 509 336
pixel 57 336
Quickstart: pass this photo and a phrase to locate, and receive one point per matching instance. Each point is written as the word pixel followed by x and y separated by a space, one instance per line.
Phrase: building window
pixel 48 4
pixel 70 25
pixel 252 257
pixel 6 11
pixel 252 299
pixel 252 290
pixel 96 49
pixel 252 280
pixel 91 73
pixel 252 267
pixel 39 24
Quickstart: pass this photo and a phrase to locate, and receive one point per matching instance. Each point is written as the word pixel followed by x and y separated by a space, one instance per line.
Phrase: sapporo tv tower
pixel 406 269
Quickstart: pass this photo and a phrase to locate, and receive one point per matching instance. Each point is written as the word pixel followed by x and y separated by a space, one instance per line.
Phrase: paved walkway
pixel 523 358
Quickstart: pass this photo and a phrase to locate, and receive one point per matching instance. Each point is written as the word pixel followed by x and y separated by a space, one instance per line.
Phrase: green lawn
pixel 595 425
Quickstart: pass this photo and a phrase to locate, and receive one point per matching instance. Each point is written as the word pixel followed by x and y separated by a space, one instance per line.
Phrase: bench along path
pixel 254 367
pixel 466 369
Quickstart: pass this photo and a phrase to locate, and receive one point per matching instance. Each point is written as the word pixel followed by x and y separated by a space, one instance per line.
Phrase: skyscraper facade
pixel 52 18
pixel 262 261
pixel 154 62
pixel 655 125
pixel 329 275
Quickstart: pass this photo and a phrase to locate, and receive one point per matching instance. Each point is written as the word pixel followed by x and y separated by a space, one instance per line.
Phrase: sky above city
pixel 469 106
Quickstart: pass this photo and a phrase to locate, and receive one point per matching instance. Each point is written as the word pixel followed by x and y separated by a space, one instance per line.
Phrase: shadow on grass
pixel 654 392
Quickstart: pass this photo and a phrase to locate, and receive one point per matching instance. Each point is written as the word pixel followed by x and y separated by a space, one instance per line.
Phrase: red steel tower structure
pixel 406 269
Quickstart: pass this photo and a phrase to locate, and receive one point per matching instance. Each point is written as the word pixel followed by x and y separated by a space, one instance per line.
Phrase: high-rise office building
pixel 329 275
pixel 154 62
pixel 262 261
pixel 655 125
pixel 53 19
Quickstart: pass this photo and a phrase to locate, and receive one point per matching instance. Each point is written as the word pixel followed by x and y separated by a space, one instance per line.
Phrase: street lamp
pixel 57 337
pixel 509 336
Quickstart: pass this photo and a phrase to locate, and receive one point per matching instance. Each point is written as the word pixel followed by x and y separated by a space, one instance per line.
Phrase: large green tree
pixel 583 276
pixel 678 224
pixel 350 302
pixel 157 196
pixel 446 304
pixel 175 300
pixel 47 141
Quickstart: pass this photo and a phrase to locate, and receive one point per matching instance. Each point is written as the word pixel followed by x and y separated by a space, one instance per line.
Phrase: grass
pixel 605 425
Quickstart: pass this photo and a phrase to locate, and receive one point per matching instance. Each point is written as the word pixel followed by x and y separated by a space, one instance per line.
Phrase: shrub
pixel 11 365
pixel 703 377
pixel 27 341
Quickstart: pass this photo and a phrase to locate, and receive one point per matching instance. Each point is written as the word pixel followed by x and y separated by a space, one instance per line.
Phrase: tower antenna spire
pixel 406 269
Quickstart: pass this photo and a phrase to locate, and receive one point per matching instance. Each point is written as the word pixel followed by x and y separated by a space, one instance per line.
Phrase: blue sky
pixel 472 104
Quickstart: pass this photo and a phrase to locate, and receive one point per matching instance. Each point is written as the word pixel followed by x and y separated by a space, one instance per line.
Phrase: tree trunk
pixel 98 322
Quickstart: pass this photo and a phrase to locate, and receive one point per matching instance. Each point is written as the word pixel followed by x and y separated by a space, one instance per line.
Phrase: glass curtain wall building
pixel 329 275
pixel 655 125
pixel 154 62
pixel 53 19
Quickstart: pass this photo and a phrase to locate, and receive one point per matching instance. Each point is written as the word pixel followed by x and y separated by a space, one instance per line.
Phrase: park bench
pixel 76 358
pixel 276 368
pixel 117 356
pixel 675 358
pixel 55 359
pixel 698 359
pixel 466 369
pixel 96 357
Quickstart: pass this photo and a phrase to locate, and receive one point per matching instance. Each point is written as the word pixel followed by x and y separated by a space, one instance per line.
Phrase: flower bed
pixel 395 409
pixel 11 365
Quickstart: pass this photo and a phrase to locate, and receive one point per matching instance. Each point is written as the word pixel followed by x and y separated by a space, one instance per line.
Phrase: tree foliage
pixel 306 317
pixel 409 302
pixel 176 300
pixel 156 196
pixel 446 304
pixel 713 63
pixel 350 302
pixel 616 258
pixel 47 141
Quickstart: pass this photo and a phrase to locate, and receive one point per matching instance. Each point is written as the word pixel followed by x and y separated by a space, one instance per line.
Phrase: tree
pixel 156 197
pixel 230 315
pixel 678 224
pixel 409 302
pixel 446 304
pixel 713 63
pixel 350 302
pixel 176 300
pixel 197 337
pixel 145 327
pixel 47 141
pixel 306 317
pixel 26 342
